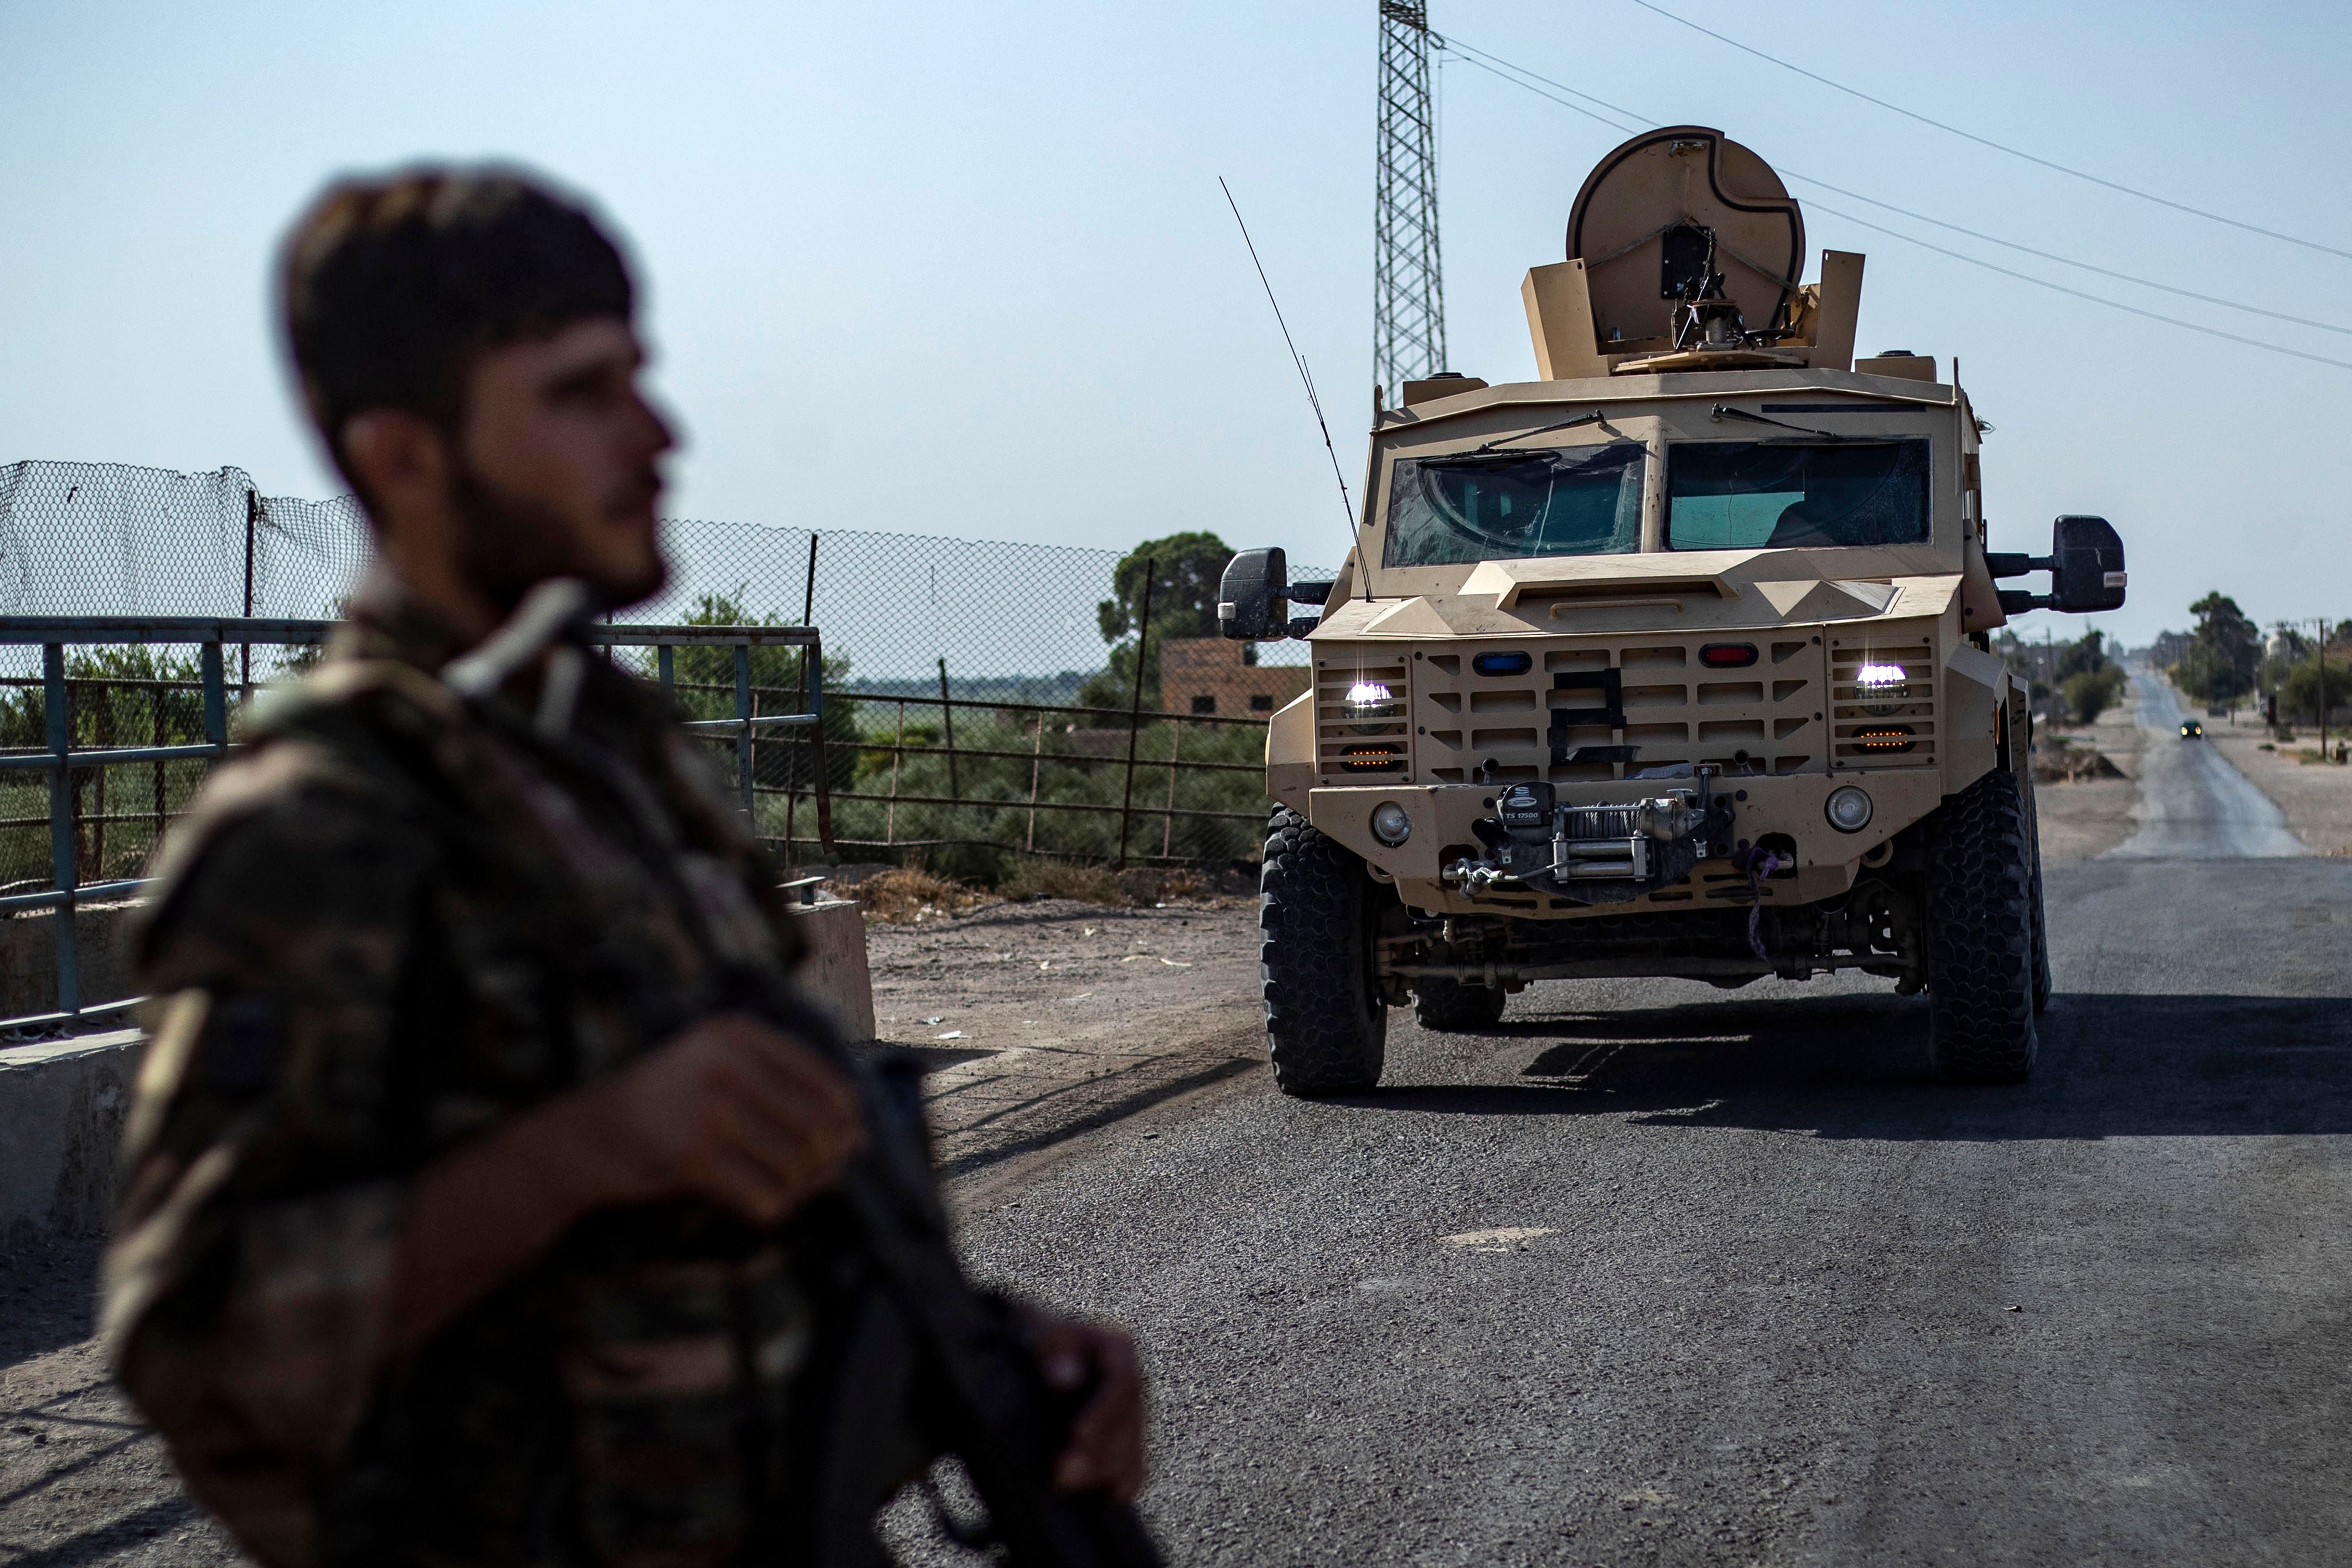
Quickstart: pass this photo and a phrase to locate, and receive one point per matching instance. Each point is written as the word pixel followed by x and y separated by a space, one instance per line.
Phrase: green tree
pixel 705 680
pixel 2225 655
pixel 2299 692
pixel 2087 657
pixel 1184 570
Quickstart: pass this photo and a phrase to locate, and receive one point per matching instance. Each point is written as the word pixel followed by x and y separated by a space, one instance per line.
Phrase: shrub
pixel 909 894
pixel 2091 692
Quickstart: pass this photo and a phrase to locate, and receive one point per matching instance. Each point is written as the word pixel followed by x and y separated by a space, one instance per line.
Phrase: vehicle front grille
pixel 1887 720
pixel 1592 711
pixel 1361 739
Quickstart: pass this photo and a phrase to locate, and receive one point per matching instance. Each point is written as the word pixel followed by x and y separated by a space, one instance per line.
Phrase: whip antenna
pixel 1307 377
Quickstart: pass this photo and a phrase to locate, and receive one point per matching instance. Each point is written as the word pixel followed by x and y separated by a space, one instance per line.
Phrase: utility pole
pixel 1408 292
pixel 2320 647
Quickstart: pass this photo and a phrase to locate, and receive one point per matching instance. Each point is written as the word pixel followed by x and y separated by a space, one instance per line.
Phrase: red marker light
pixel 1727 655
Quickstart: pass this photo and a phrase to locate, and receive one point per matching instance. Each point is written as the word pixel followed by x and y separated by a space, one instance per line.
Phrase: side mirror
pixel 1253 597
pixel 2089 557
pixel 2085 563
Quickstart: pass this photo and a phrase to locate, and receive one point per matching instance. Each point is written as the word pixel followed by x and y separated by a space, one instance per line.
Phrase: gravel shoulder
pixel 1042 1021
pixel 2083 818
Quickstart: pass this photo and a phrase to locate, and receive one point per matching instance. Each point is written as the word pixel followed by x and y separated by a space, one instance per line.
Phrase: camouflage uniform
pixel 393 923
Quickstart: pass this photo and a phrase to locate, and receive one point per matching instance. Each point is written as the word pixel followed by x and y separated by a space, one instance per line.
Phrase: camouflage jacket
pixel 395 922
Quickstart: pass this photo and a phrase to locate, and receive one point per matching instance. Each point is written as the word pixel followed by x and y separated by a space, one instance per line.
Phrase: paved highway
pixel 2193 804
pixel 1652 1274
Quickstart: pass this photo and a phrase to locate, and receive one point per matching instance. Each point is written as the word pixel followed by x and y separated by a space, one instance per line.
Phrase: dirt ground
pixel 2083 818
pixel 1049 1019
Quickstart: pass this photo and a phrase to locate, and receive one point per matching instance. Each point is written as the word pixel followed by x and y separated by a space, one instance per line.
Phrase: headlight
pixel 1848 809
pixel 1368 697
pixel 1391 824
pixel 1880 688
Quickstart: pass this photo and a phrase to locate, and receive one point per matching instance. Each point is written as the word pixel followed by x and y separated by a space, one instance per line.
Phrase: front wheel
pixel 1326 1027
pixel 1980 934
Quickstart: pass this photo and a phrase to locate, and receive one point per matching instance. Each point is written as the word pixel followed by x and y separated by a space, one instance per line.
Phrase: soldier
pixel 466 1220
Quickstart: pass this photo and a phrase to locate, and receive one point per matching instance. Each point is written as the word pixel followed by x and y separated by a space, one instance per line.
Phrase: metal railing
pixel 1146 796
pixel 62 758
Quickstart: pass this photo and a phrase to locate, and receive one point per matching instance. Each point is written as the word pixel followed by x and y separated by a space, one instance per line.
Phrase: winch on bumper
pixel 1597 853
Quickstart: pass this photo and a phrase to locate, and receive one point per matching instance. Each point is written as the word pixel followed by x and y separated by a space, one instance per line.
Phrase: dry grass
pixel 1138 887
pixel 906 897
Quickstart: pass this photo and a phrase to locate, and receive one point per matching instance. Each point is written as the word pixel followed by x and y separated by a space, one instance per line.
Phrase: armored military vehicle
pixel 1674 662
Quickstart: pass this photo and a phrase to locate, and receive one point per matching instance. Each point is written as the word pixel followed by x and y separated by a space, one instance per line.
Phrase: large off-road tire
pixel 2041 924
pixel 1450 1006
pixel 1980 934
pixel 1326 1025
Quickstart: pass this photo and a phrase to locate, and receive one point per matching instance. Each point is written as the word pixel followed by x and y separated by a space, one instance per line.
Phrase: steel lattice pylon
pixel 1408 292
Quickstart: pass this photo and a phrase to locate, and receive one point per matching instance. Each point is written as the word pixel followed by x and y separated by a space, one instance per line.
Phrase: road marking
pixel 1504 1239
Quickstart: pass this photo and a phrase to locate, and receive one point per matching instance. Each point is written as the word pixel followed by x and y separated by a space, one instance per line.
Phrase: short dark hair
pixel 393 286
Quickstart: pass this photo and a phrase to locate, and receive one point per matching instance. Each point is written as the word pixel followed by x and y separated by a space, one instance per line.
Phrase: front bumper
pixel 1820 862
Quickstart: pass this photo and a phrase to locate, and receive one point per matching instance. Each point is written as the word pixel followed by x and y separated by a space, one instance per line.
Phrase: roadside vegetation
pixel 910 895
pixel 2083 675
pixel 2295 671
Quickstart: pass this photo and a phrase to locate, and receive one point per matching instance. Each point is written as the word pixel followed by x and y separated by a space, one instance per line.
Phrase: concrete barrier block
pixel 62 1102
pixel 61 1108
pixel 834 974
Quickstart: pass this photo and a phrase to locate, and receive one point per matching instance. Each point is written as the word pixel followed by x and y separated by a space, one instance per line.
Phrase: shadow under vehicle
pixel 1675 662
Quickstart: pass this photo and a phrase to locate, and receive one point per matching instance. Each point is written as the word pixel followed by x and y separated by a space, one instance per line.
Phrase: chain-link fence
pixel 975 713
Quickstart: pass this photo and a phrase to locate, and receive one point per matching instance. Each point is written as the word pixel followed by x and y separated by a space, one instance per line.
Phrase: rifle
pixel 997 1412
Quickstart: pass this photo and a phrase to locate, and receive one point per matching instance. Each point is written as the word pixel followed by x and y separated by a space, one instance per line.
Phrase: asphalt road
pixel 2193 804
pixel 1652 1274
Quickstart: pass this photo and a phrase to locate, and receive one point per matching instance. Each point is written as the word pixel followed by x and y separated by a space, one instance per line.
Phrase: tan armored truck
pixel 1674 662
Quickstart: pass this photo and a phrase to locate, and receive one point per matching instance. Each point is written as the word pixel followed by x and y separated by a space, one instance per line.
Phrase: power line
pixel 2083 294
pixel 2070 261
pixel 1999 146
pixel 1489 63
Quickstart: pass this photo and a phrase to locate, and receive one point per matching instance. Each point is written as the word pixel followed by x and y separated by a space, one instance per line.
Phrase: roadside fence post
pixel 1037 762
pixel 208 663
pixel 1167 823
pixel 252 526
pixel 898 750
pixel 1135 708
pixel 812 672
pixel 61 824
pixel 947 723
pixel 743 735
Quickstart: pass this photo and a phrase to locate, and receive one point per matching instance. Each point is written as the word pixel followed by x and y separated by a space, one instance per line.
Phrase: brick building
pixel 1210 675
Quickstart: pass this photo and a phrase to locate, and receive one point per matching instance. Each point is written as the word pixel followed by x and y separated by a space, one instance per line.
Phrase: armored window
pixel 1204 703
pixel 1757 495
pixel 1513 505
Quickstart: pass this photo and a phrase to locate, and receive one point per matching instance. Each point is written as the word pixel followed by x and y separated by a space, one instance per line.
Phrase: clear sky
pixel 965 270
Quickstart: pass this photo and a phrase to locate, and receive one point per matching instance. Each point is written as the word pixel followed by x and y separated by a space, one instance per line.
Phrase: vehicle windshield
pixel 1754 495
pixel 1577 500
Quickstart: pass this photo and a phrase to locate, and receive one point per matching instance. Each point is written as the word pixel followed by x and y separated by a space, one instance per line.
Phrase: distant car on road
pixel 2191 729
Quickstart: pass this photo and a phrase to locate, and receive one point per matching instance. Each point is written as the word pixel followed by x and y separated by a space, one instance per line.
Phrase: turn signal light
pixel 1887 737
pixel 1727 655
